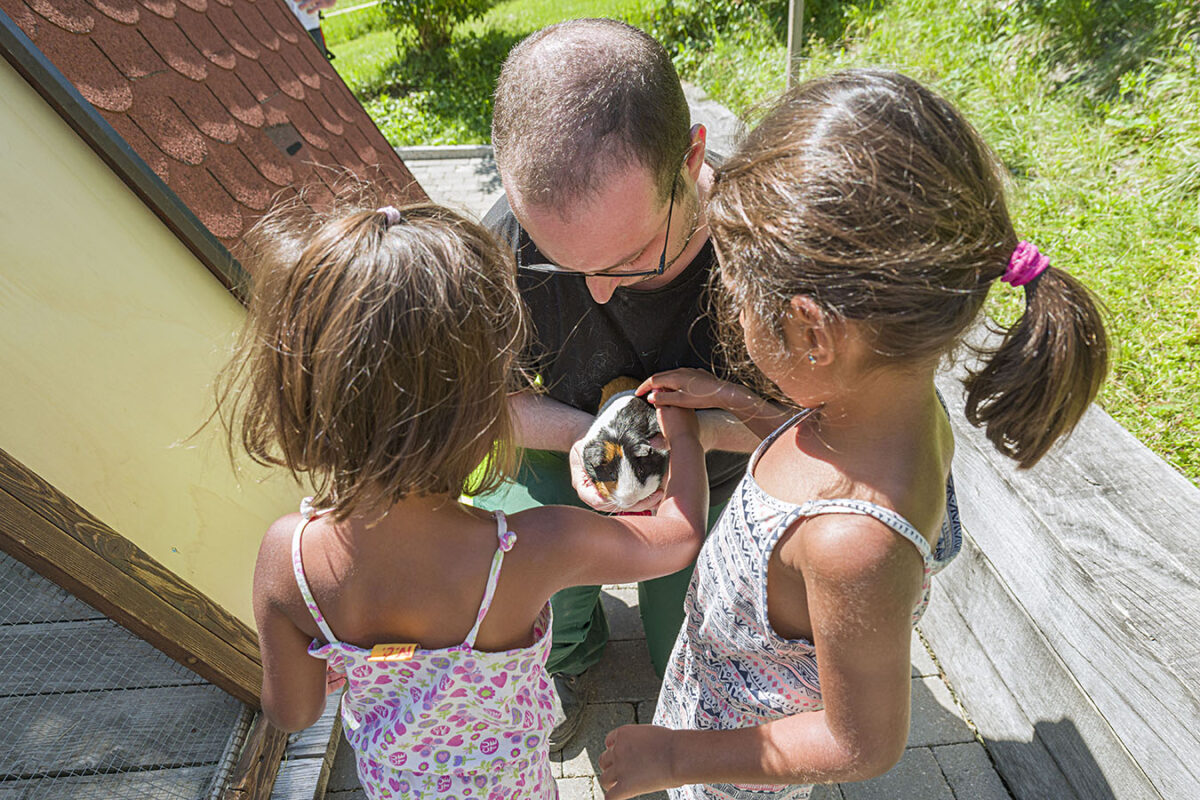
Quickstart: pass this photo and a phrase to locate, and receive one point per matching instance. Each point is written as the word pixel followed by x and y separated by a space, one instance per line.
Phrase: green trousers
pixel 580 627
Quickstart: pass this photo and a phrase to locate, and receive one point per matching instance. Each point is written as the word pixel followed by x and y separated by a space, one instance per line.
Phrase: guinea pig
pixel 618 454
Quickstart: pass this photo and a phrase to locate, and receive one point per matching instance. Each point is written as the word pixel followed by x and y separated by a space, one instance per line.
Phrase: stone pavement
pixel 943 760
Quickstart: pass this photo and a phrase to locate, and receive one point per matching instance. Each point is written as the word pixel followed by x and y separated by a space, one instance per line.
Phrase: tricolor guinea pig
pixel 618 454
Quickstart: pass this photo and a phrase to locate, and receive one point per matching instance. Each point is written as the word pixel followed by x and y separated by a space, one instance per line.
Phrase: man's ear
pixel 698 138
pixel 808 330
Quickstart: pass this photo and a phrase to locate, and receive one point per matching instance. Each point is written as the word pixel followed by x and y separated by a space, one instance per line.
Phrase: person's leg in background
pixel 660 602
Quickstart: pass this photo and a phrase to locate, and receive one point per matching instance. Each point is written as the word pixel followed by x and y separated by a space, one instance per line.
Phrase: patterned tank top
pixel 455 723
pixel 729 669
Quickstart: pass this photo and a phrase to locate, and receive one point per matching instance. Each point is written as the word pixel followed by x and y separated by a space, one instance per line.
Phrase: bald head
pixel 581 99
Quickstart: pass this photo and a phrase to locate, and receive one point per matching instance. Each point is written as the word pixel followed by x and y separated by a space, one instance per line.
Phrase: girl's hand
pixel 677 422
pixel 334 681
pixel 688 388
pixel 636 760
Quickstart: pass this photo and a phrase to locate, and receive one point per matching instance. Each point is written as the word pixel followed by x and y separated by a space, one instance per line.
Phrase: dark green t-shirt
pixel 580 345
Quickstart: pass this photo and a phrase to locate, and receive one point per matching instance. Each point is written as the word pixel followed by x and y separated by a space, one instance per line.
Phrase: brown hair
pixel 376 357
pixel 578 98
pixel 876 198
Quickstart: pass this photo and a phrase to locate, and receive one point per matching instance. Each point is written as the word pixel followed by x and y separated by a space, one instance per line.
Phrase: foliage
pixel 340 28
pixel 432 20
pixel 442 96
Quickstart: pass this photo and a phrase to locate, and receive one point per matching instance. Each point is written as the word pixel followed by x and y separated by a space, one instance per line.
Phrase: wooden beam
pixel 254 776
pixel 795 40
pixel 1079 591
pixel 43 528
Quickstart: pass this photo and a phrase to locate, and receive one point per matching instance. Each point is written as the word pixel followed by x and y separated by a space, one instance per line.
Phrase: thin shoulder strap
pixel 505 539
pixel 885 515
pixel 795 419
pixel 308 513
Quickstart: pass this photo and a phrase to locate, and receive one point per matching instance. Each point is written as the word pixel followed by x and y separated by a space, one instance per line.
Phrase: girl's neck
pixel 412 509
pixel 883 406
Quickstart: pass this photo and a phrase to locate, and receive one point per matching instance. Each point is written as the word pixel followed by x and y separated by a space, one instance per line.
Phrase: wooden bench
pixel 1070 624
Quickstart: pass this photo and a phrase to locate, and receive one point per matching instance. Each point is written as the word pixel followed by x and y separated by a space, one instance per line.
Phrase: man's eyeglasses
pixel 615 272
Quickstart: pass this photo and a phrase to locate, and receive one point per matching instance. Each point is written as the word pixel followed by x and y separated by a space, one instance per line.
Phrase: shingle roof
pixel 227 101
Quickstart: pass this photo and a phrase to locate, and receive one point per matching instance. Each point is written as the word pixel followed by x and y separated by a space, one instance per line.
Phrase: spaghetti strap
pixel 885 515
pixel 505 539
pixel 308 513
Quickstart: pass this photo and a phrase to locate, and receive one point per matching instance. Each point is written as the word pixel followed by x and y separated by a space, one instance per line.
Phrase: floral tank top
pixel 456 723
pixel 729 669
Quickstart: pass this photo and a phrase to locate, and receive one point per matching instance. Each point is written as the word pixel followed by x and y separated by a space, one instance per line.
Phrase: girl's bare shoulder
pixel 848 548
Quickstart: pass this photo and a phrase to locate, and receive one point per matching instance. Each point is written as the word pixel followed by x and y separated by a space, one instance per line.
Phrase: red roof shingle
pixel 228 101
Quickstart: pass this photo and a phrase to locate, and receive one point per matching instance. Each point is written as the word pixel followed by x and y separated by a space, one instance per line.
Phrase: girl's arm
pixel 695 388
pixel 590 548
pixel 293 691
pixel 861 583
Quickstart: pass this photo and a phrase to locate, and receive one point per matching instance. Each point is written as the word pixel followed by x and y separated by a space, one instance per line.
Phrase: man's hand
pixel 586 488
pixel 636 760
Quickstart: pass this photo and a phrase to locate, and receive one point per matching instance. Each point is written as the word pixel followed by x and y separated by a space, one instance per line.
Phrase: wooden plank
pixel 82 656
pixel 27 597
pixel 1007 677
pixel 1096 544
pixel 308 760
pixel 302 779
pixel 47 531
pixel 254 775
pixel 313 741
pixel 158 784
pixel 111 731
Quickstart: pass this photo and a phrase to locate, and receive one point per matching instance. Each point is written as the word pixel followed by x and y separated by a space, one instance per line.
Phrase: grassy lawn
pixel 1093 115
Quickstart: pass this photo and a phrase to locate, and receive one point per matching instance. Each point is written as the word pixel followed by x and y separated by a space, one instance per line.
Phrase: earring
pixel 812 359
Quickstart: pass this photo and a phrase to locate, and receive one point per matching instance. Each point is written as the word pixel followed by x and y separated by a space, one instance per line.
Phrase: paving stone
pixel 352 794
pixel 581 757
pixel 645 711
pixel 344 775
pixel 577 789
pixel 970 772
pixel 827 791
pixel 621 608
pixel 923 665
pixel 935 717
pixel 916 777
pixel 470 185
pixel 625 673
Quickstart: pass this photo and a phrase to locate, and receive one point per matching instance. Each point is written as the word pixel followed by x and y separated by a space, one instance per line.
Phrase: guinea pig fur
pixel 618 455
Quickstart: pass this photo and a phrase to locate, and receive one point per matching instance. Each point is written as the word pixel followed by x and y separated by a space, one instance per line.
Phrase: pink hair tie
pixel 391 214
pixel 1025 264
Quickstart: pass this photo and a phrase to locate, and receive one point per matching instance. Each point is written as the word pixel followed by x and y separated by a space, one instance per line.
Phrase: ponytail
pixel 1038 383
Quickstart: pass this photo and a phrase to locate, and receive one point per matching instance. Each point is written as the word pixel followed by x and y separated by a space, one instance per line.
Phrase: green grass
pixel 349 26
pixel 1103 146
pixel 443 97
pixel 1095 119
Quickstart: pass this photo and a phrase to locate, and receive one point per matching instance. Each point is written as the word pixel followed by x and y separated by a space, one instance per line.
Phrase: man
pixel 605 185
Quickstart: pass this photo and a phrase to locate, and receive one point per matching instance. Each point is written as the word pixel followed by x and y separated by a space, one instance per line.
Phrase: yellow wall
pixel 110 334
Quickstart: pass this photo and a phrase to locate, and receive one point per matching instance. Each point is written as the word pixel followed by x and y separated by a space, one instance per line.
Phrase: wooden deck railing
pixel 1069 624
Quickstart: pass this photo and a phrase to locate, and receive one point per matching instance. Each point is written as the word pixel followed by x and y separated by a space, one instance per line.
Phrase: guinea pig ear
pixel 641 450
pixel 593 455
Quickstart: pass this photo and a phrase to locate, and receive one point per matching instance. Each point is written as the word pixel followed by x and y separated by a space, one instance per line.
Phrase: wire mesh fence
pixel 88 710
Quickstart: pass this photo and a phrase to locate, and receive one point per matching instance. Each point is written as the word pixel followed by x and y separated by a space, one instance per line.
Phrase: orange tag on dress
pixel 392 652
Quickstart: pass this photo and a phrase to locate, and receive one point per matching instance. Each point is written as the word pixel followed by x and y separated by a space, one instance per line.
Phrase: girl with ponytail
pixel 859 228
